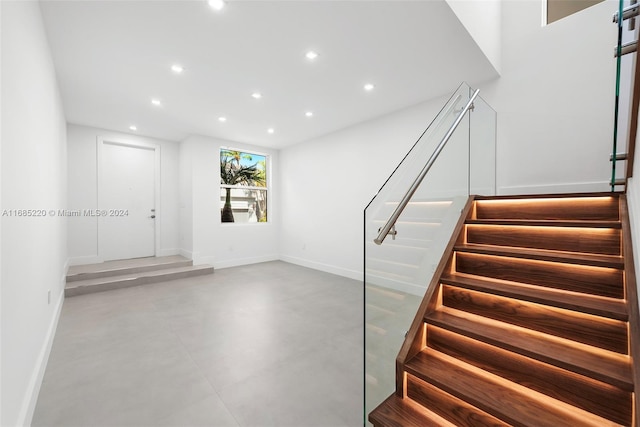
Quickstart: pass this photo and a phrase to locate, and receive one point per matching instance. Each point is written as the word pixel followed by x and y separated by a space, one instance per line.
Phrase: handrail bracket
pixel 392 231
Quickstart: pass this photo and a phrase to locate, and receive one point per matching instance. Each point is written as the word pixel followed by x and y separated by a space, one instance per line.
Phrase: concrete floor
pixel 270 344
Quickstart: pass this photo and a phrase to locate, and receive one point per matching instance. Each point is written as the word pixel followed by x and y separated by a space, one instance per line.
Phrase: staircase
pixel 106 276
pixel 527 320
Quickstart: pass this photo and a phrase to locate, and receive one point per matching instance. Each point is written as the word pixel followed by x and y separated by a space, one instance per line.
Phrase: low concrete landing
pixel 109 275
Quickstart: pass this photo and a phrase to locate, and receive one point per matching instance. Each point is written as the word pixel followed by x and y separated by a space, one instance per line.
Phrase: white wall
pixel 33 169
pixel 83 191
pixel 633 200
pixel 328 181
pixel 185 186
pixel 222 245
pixel 555 99
pixel 555 123
pixel 482 19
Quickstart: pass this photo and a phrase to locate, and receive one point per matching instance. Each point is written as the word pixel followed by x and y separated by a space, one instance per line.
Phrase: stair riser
pixel 602 399
pixel 481 392
pixel 602 367
pixel 398 412
pixel 593 209
pixel 129 270
pixel 594 240
pixel 606 282
pixel 417 393
pixel 599 332
pixel 145 280
pixel 449 407
pixel 608 308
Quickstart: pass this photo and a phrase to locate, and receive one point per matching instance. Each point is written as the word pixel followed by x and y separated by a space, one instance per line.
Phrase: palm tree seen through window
pixel 243 186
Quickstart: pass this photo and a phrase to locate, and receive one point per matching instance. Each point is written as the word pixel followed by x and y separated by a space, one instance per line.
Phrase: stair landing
pixel 117 274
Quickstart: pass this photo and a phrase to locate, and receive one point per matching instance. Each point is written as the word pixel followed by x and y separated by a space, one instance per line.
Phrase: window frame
pixel 266 189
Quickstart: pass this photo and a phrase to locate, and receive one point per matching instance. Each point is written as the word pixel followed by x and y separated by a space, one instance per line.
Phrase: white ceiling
pixel 113 57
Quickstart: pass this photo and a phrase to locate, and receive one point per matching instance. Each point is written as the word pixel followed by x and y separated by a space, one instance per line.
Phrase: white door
pixel 126 201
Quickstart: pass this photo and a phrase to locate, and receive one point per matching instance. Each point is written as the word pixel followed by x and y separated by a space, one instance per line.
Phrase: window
pixel 558 9
pixel 243 186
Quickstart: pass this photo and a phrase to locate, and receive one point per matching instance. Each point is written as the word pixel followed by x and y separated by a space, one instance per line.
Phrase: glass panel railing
pixel 482 149
pixel 625 59
pixel 398 271
pixel 614 149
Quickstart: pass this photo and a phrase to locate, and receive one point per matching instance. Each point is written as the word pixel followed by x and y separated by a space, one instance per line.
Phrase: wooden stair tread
pixel 507 401
pixel 591 304
pixel 602 365
pixel 591 330
pixel 398 412
pixel 451 408
pixel 547 223
pixel 534 197
pixel 544 255
pixel 589 207
pixel 586 393
pixel 596 241
pixel 606 282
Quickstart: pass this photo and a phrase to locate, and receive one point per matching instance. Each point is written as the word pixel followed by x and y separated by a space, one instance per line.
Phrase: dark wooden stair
pixel 530 320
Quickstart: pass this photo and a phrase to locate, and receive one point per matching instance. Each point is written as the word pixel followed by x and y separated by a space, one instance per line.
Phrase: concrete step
pixel 126 266
pixel 101 284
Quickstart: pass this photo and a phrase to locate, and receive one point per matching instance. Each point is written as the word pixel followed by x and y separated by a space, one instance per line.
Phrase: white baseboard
pixel 95 259
pixel 169 252
pixel 33 390
pixel 185 253
pixel 577 187
pixel 65 269
pixel 345 272
pixel 200 259
pixel 244 261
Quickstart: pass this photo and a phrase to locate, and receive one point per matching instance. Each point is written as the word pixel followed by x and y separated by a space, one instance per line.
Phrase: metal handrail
pixel 391 222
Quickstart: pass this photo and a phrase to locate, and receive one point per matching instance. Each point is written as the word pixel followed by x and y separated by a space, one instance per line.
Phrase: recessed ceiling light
pixel 177 68
pixel 311 55
pixel 309 114
pixel 271 130
pixel 133 127
pixel 369 87
pixel 156 102
pixel 222 119
pixel 256 95
pixel 216 4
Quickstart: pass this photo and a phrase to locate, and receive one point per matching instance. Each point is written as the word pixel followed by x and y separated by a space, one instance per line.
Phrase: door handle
pixel 152 216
